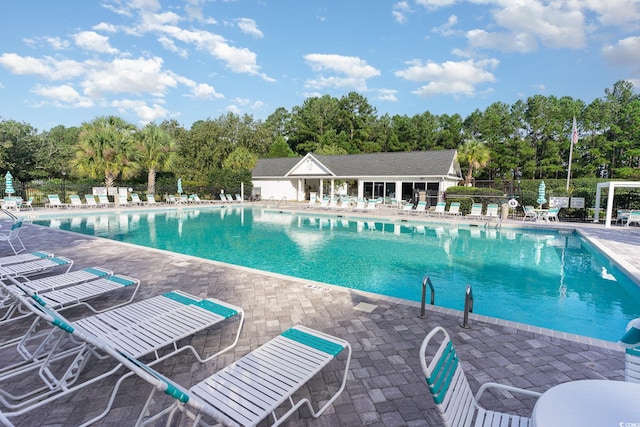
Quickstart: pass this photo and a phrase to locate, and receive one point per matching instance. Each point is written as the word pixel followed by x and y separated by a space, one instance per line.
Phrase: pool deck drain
pixel 366 307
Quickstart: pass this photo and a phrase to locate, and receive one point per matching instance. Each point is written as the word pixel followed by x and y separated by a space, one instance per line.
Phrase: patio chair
pixel 135 199
pixel 405 209
pixel 123 200
pixel 13 237
pixel 324 203
pixel 451 392
pixel 439 209
pixel 38 266
pixel 454 209
pixel 476 211
pixel 54 202
pixel 360 205
pixel 634 216
pixel 17 259
pixel 28 205
pixel 230 198
pixel 421 208
pixel 529 213
pixel 223 198
pixel 632 365
pixel 551 215
pixel 103 200
pixel 90 201
pixel 238 198
pixel 76 202
pixel 154 327
pixel 255 386
pixel 151 200
pixel 492 211
pixel 313 200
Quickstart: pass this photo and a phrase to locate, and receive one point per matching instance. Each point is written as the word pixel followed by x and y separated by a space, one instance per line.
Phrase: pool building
pixel 389 176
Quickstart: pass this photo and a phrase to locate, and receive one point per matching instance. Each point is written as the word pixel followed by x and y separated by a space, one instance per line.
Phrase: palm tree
pixel 475 154
pixel 157 152
pixel 105 148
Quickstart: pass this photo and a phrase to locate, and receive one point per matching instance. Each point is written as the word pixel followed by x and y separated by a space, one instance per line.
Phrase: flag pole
pixel 574 140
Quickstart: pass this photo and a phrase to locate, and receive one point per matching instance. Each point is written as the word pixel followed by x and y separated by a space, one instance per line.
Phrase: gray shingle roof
pixel 414 163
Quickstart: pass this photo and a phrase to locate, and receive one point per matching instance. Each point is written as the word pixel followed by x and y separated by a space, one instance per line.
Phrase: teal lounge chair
pixel 451 392
pixel 249 390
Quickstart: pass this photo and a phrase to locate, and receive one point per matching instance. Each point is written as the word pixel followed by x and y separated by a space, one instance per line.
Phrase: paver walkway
pixel 385 386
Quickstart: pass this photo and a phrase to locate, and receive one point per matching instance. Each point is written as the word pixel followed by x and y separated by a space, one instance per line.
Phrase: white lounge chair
pixel 421 208
pixel 230 198
pixel 476 211
pixel 439 209
pixel 54 202
pixel 28 205
pixel 103 200
pixel 76 202
pixel 405 209
pixel 451 392
pixel 492 211
pixel 90 201
pixel 551 215
pixel 252 388
pixel 151 200
pixel 156 327
pixel 13 237
pixel 238 198
pixel 123 200
pixel 17 259
pixel 135 199
pixel 454 209
pixel 39 266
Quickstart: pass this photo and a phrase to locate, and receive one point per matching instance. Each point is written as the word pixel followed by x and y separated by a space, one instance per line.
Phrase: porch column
pixel 321 195
pixel 332 189
pixel 360 190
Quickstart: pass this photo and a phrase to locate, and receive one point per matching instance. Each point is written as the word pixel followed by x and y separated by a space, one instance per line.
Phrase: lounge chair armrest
pixel 486 386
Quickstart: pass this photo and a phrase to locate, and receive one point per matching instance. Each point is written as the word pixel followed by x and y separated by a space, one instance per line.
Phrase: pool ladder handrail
pixel 426 281
pixel 284 199
pixel 468 307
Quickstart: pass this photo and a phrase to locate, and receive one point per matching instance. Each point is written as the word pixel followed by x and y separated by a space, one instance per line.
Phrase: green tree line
pixel 529 139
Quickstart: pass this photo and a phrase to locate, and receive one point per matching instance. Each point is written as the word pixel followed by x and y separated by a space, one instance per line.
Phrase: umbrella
pixel 179 185
pixel 541 190
pixel 9 184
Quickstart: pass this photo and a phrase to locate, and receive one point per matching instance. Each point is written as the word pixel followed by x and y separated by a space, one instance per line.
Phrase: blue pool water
pixel 544 278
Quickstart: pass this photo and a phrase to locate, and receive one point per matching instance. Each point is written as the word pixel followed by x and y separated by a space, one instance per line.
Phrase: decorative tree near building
pixel 475 155
pixel 158 152
pixel 106 149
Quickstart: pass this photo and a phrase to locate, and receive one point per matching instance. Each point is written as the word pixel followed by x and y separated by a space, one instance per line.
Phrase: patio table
pixel 592 403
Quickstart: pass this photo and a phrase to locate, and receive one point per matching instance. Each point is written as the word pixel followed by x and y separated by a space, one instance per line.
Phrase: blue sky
pixel 69 61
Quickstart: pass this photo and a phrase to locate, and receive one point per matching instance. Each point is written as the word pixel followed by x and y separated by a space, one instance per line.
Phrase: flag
pixel 574 133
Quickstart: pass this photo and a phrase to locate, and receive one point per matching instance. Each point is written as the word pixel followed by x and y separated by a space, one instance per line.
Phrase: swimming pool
pixel 543 278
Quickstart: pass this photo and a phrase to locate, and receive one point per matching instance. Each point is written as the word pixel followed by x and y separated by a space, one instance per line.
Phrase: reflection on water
pixel 543 278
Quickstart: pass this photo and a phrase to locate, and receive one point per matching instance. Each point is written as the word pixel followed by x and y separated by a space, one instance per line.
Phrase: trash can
pixel 504 212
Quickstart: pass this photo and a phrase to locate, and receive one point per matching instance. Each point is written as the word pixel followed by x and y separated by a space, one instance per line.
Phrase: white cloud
pixel 505 42
pixel 458 78
pixel 135 76
pixel 355 70
pixel 205 91
pixel 63 96
pixel 250 27
pixel 146 113
pixel 57 43
pixel 239 60
pixel 616 13
pixel 48 67
pixel 387 95
pixel 103 26
pixel 447 28
pixel 169 45
pixel 400 11
pixel 626 53
pixel 435 4
pixel 93 41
